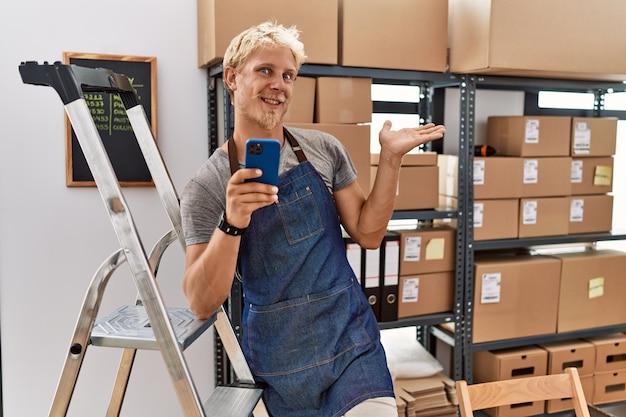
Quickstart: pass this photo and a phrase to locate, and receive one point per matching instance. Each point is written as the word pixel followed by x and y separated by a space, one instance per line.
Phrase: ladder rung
pixel 129 327
pixel 232 401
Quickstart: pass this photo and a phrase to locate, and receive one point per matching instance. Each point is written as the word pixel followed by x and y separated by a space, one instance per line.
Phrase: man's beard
pixel 267 120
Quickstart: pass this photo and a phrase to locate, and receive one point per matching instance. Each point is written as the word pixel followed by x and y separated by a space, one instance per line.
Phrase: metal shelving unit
pixel 599 89
pixel 428 83
pixel 461 316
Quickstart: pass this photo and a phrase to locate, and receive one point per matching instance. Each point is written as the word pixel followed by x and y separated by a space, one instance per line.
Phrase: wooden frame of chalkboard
pixel 112 122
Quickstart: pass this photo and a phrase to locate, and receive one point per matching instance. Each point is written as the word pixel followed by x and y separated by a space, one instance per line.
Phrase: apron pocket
pixel 291 207
pixel 300 334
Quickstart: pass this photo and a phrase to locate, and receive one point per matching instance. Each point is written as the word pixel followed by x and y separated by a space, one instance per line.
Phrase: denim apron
pixel 308 332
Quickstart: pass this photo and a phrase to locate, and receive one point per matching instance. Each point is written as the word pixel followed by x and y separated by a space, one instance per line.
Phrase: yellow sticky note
pixel 596 287
pixel 434 248
pixel 603 175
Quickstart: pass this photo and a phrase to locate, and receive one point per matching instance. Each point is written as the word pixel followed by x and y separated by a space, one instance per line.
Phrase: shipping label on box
pixel 426 250
pixel 514 296
pixel 426 294
pixel 547 177
pixel 593 136
pixel 545 216
pixel 496 219
pixel 590 214
pixel 529 136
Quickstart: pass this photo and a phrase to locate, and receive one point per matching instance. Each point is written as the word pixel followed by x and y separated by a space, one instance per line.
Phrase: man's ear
pixel 230 78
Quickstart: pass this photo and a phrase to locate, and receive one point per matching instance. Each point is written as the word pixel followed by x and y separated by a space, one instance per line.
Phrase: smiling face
pixel 262 87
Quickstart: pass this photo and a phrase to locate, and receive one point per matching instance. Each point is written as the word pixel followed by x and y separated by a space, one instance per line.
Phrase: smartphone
pixel 263 154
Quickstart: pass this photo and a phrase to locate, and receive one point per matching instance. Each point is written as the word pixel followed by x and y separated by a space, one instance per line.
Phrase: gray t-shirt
pixel 204 198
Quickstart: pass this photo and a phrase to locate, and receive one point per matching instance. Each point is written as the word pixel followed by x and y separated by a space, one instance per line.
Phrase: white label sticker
pixel 372 268
pixel 530 212
pixel 392 262
pixel 412 248
pixel 479 172
pixel 576 210
pixel 478 214
pixel 582 138
pixel 410 290
pixel 577 172
pixel 531 171
pixel 353 253
pixel 490 290
pixel 532 131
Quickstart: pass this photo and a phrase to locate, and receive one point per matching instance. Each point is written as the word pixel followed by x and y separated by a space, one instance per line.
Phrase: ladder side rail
pixel 128 355
pixel 82 332
pixel 154 160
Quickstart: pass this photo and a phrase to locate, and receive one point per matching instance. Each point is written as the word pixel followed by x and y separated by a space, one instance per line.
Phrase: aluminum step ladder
pixel 148 324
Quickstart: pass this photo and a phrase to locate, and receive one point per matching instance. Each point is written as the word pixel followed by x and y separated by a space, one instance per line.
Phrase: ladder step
pixel 232 401
pixel 129 327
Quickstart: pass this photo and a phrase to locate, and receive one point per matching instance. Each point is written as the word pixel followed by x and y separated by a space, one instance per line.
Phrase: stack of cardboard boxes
pixel 433 396
pixel 525 295
pixel 551 176
pixel 410 274
pixel 601 364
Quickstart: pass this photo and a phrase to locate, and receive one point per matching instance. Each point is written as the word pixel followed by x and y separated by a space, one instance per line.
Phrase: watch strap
pixel 228 228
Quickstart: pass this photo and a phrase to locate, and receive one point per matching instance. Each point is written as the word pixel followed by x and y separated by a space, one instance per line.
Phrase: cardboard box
pixel 428 249
pixel 343 100
pixel 417 187
pixel 417 159
pixel 593 136
pixel 544 216
pixel 302 104
pixel 495 177
pixel 609 387
pixel 610 352
pixel 529 135
pixel 393 33
pixel 514 296
pixel 592 175
pixel 510 364
pixel 496 219
pixel 356 139
pixel 546 176
pixel 555 406
pixel 592 290
pixel 426 294
pixel 578 353
pixel 509 37
pixel 221 20
pixel 590 214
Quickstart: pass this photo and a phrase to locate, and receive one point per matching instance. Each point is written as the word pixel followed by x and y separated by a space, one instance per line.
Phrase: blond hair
pixel 266 33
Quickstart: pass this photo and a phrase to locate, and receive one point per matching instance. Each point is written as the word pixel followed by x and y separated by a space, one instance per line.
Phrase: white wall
pixel 53 238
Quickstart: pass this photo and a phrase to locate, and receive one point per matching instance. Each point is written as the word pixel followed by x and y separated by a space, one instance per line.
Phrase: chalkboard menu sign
pixel 112 122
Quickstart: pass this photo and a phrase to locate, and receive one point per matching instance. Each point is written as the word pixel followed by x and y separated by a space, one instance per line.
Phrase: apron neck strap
pixel 232 151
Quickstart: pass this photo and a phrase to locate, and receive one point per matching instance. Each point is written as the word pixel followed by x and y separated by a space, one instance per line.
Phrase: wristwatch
pixel 228 228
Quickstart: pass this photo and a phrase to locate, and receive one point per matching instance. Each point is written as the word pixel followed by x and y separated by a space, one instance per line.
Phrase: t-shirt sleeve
pixel 202 203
